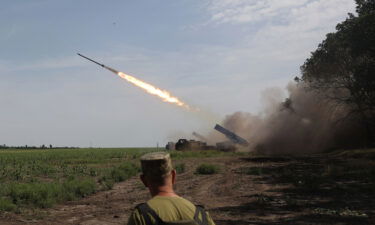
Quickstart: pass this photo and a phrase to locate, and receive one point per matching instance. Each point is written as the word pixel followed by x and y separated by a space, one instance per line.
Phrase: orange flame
pixel 164 95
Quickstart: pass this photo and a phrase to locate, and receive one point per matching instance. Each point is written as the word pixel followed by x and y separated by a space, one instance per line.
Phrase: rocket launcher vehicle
pixel 231 136
pixel 200 137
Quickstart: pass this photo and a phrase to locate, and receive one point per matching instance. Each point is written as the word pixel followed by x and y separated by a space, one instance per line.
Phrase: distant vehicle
pixel 170 146
pixel 231 136
pixel 235 142
pixel 190 145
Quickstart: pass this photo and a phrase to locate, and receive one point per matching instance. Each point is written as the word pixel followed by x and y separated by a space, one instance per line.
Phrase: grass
pixel 355 153
pixel 40 178
pixel 202 154
pixel 43 195
pixel 336 187
pixel 251 171
pixel 180 168
pixel 340 212
pixel 6 204
pixel 206 169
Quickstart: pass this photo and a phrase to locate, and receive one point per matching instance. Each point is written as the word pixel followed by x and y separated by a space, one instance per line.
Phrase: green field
pixel 42 178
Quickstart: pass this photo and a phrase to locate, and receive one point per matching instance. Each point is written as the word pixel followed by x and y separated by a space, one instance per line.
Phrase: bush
pixel 7 205
pixel 43 195
pixel 207 169
pixel 258 171
pixel 118 174
pixel 78 188
pixel 180 168
pixel 106 182
pixel 123 172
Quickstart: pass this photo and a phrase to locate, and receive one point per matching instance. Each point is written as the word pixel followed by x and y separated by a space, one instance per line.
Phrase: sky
pixel 216 55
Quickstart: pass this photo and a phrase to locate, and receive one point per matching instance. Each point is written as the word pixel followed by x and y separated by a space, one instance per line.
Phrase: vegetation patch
pixel 202 154
pixel 180 168
pixel 43 194
pixel 123 172
pixel 6 204
pixel 206 169
pixel 40 178
pixel 251 171
pixel 340 212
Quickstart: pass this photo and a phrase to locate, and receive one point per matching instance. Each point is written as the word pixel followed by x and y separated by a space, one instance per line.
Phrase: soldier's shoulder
pixel 170 202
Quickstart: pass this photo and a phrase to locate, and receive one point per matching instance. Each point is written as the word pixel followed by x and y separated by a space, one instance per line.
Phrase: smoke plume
pixel 305 122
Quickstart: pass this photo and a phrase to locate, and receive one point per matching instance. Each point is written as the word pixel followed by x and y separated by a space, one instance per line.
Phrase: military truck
pixel 233 144
pixel 190 145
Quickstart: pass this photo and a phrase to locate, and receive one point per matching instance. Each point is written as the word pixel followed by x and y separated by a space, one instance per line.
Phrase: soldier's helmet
pixel 156 165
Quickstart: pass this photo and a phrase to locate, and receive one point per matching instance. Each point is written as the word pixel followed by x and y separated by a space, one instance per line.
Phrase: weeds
pixel 202 154
pixel 251 170
pixel 42 178
pixel 123 172
pixel 346 212
pixel 207 169
pixel 180 168
pixel 42 194
pixel 7 205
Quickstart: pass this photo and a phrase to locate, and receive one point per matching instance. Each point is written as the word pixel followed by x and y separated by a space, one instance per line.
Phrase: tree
pixel 343 66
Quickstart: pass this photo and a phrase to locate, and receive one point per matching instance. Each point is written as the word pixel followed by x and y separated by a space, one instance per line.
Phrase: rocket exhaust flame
pixel 164 95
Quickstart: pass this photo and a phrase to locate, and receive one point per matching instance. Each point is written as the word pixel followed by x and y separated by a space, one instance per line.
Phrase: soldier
pixel 165 206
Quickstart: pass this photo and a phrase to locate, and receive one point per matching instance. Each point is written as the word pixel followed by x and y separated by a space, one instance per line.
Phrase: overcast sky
pixel 218 55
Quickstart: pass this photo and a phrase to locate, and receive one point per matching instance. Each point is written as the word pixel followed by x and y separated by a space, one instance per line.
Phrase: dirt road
pixel 246 191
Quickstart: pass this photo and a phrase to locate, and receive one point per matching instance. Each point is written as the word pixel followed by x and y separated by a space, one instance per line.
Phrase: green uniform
pixel 168 209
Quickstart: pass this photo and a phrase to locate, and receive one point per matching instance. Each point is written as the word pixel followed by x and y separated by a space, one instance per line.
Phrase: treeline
pixel 4 146
pixel 343 68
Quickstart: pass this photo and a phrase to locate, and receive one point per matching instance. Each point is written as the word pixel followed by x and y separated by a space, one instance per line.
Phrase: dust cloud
pixel 304 122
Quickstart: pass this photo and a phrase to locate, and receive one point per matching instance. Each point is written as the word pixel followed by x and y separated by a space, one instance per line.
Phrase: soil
pixel 232 196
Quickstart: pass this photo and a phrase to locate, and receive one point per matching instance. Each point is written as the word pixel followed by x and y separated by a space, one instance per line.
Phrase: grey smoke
pixel 305 122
